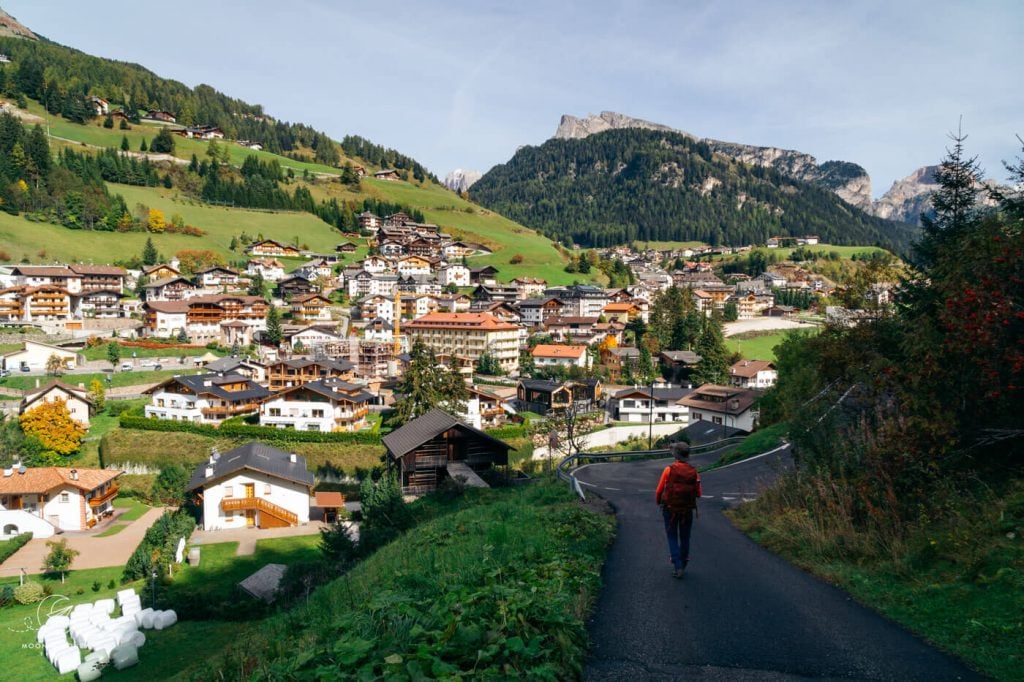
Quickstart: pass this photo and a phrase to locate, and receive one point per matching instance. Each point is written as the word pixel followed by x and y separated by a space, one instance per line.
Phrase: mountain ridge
pixel 848 180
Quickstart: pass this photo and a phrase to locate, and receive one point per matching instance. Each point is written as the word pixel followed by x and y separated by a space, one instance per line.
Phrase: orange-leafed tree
pixel 156 221
pixel 51 424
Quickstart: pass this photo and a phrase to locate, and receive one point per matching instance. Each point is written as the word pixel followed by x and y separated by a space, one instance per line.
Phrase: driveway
pixel 740 613
pixel 94 552
pixel 247 537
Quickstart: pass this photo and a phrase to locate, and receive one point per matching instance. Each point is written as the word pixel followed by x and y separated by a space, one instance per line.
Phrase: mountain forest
pixel 621 186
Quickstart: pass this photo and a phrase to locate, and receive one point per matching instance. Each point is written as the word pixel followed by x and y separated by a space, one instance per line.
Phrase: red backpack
pixel 680 493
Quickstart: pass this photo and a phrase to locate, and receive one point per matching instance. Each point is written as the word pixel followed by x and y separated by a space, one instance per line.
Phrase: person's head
pixel 681 451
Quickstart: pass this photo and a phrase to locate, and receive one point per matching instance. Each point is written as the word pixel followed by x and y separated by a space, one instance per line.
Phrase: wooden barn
pixel 437 445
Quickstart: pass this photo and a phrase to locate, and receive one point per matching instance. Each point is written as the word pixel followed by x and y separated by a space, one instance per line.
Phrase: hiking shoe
pixel 677 573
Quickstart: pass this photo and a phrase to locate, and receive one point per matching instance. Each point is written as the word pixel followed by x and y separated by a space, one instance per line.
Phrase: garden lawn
pixel 762 440
pixel 113 530
pixel 135 508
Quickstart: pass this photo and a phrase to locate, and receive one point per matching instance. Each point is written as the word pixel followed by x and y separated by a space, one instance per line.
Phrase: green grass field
pixel 100 352
pixel 22 239
pixel 755 345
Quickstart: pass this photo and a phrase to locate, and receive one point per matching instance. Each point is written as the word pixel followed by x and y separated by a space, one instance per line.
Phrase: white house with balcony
pixel 635 404
pixel 47 500
pixel 252 486
pixel 204 398
pixel 325 405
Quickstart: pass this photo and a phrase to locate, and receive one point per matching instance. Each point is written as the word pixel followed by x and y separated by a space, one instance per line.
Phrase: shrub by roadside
pixel 8 548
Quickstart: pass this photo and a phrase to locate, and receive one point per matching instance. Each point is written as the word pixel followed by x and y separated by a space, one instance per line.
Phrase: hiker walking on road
pixel 677 495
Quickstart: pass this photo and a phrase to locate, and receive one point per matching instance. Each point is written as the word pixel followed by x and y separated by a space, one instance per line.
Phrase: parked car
pixel 157 368
pixel 127 367
pixel 5 372
pixel 25 368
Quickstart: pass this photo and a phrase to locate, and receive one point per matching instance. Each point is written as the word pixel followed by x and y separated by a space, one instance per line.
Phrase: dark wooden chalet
pixel 437 445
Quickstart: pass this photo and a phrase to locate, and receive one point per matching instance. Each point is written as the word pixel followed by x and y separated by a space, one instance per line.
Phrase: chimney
pixel 209 472
pixel 74 474
pixel 292 458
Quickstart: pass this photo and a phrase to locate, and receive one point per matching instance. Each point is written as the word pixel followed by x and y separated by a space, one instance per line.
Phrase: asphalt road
pixel 740 613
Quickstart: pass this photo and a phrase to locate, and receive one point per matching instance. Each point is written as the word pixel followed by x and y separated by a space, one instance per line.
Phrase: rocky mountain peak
pixel 572 128
pixel 9 26
pixel 460 180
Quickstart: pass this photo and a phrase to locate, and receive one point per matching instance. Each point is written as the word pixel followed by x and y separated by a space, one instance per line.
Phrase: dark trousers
pixel 677 529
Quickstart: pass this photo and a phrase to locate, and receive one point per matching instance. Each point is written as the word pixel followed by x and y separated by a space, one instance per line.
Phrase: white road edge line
pixel 748 459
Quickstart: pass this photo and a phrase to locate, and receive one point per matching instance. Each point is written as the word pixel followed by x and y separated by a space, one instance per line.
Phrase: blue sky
pixel 463 84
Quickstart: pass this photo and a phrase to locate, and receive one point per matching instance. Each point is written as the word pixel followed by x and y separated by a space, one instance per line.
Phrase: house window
pixel 275 411
pixel 65 497
pixel 697 416
pixel 228 491
pixel 716 420
pixel 318 414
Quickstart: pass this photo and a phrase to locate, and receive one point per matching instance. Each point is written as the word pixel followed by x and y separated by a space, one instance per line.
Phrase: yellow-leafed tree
pixel 157 222
pixel 52 425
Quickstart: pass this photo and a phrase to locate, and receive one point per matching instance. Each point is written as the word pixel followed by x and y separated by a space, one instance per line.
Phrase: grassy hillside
pixel 22 239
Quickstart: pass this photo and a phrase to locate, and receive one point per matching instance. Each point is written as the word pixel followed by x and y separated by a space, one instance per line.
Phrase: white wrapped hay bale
pixel 122 595
pixel 124 656
pixel 69 660
pixel 171 616
pixel 142 614
pixel 104 606
pixel 138 639
pixel 147 619
pixel 103 649
pixel 89 670
pixel 55 651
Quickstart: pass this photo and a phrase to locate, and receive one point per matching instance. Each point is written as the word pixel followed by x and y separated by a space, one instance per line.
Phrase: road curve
pixel 741 613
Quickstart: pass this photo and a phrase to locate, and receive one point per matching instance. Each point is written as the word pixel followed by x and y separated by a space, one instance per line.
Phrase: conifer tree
pixel 274 333
pixel 149 254
pixel 713 367
pixel 124 143
pixel 428 384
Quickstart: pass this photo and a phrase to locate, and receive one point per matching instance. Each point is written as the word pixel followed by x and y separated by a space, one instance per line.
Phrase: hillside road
pixel 740 612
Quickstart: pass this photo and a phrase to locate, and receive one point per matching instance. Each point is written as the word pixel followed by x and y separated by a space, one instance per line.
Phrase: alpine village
pixel 277 406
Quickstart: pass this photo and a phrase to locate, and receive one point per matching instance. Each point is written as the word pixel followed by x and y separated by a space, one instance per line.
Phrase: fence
pixel 562 471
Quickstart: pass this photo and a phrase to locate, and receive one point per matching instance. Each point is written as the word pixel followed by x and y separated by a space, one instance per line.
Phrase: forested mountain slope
pixel 624 185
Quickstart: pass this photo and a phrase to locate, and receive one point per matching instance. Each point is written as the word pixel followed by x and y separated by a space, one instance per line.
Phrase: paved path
pixel 247 537
pixel 95 552
pixel 741 613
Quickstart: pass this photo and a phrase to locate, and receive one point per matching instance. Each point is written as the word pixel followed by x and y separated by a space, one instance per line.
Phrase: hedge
pixel 235 430
pixel 161 543
pixel 13 545
pixel 503 432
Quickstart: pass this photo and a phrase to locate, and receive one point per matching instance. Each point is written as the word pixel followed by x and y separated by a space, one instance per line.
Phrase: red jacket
pixel 664 479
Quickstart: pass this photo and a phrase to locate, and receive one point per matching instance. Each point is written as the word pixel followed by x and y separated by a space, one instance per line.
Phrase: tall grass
pixel 953 571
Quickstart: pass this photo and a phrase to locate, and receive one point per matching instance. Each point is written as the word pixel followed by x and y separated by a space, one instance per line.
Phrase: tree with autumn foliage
pixel 194 260
pixel 51 424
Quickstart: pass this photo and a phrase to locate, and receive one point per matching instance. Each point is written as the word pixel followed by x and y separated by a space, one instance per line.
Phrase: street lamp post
pixel 650 421
pixel 153 576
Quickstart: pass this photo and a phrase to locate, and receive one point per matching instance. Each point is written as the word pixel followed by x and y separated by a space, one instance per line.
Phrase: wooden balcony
pixel 229 411
pixel 262 505
pixel 104 497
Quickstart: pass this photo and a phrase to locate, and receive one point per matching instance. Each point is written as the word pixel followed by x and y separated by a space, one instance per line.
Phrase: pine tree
pixel 163 143
pixel 142 146
pixel 428 384
pixel 124 143
pixel 149 254
pixel 273 333
pixel 713 367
